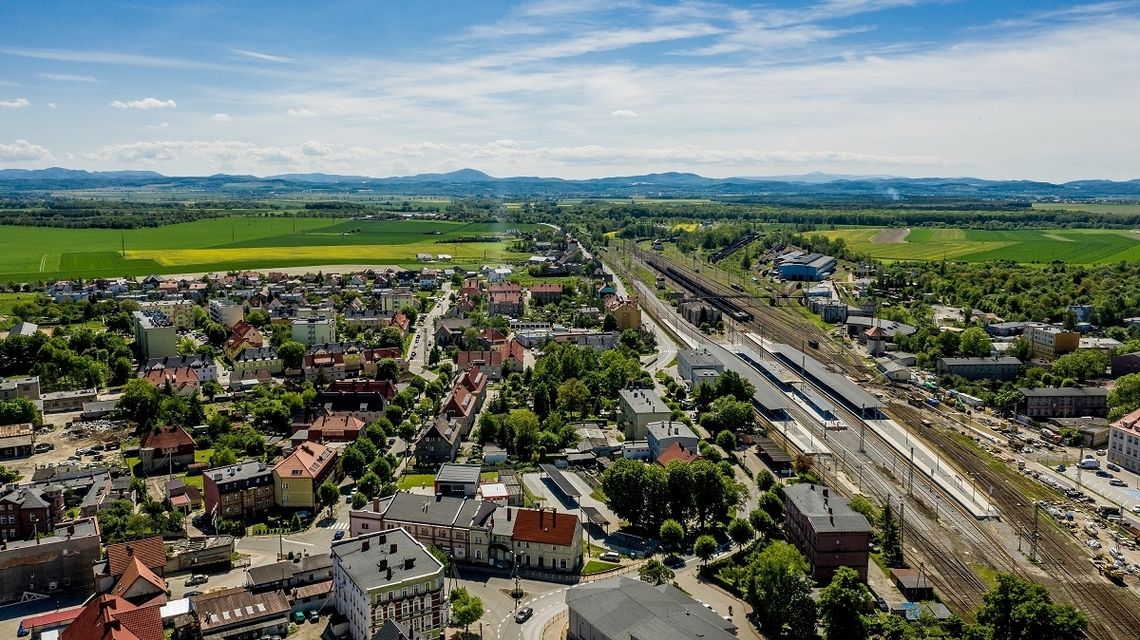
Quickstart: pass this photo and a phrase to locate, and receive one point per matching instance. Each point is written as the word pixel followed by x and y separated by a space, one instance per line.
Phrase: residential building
pixel 242 491
pixel 140 585
pixel 388 575
pixel 1064 402
pixel 663 435
pixel 60 401
pixel 457 480
pixel 25 329
pixel 1049 342
pixel 297 477
pixel 801 265
pixel 363 399
pixel 635 450
pixel 637 408
pixel 226 313
pixel 155 335
pixel 180 312
pixel 110 617
pixel 449 331
pixel 625 311
pixel 699 313
pixel 183 381
pixel 698 365
pixel 335 427
pixel 57 563
pixel 1005 329
pixel 392 300
pixel 677 451
pixel 543 539
pixel 1124 442
pixel 460 526
pixel 826 530
pixel 991 368
pixel 166 448
pixel 287 575
pixel 345 360
pixel 242 336
pixel 316 330
pixel 204 366
pixel 626 608
pixel 239 614
pixel 438 442
pixel 544 293
pixel 505 304
pixel 254 360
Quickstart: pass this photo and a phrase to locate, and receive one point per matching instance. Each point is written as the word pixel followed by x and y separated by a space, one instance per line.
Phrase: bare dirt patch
pixel 891 236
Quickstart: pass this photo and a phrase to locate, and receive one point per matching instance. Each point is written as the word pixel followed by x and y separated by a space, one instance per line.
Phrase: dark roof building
pixel 826 530
pixel 629 609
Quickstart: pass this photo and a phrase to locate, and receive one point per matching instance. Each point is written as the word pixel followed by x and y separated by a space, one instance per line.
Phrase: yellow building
pixel 297 477
pixel 626 312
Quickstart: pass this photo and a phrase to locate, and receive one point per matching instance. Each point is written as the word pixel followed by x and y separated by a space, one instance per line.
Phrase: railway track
pixel 1067 572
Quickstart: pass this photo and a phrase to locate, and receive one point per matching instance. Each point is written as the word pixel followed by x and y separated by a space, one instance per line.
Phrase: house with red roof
pixel 243 336
pixel 297 477
pixel 335 427
pixel 544 293
pixel 402 322
pixel 166 448
pixel 110 617
pixel 546 540
pixel 140 585
pixel 677 451
pixel 490 360
pixel 505 304
pixel 183 380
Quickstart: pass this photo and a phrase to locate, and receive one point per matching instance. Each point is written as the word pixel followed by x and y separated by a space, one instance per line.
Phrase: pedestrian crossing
pixel 339 526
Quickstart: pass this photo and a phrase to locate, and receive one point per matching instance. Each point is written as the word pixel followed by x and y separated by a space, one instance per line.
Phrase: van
pixel 1089 463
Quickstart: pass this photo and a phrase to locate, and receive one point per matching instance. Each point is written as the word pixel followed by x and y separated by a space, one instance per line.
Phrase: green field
pixel 1076 246
pixel 222 244
pixel 1092 207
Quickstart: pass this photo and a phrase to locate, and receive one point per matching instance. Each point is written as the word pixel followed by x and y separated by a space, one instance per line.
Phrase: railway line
pixel 1064 568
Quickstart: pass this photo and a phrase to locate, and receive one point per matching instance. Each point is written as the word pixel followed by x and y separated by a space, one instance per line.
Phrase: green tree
pixel 291 354
pixel 359 500
pixel 764 480
pixel 655 573
pixel 726 440
pixel 731 383
pixel 19 410
pixel 741 532
pixel 140 402
pixel 974 342
pixel 211 389
pixel 841 605
pixel 466 609
pixel 780 592
pixel 762 522
pixel 222 456
pixel 705 548
pixel 609 323
pixel 623 485
pixel 7 475
pixel 1016 609
pixel 328 494
pixel 671 533
pixel 890 538
pixel 573 396
pixel 121 371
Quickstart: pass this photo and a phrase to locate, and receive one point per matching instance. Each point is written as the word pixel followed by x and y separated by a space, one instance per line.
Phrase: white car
pixel 1092 544
pixel 1136 509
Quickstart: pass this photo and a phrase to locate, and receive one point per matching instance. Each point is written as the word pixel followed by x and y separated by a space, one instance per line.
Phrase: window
pixel 364 525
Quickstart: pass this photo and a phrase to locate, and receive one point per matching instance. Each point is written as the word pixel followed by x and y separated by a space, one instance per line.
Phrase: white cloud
pixel 623 113
pixel 302 112
pixel 158 126
pixel 256 55
pixel 68 77
pixel 144 104
pixel 51 105
pixel 313 148
pixel 24 151
pixel 220 117
pixel 18 103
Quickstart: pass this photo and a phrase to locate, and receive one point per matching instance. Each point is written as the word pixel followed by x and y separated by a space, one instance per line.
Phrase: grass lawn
pixel 489 476
pixel 235 242
pixel 597 566
pixel 193 481
pixel 203 455
pixel 131 464
pixel 1077 246
pixel 413 480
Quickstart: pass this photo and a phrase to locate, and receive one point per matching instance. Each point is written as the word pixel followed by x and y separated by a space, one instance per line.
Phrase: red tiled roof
pixel 178 377
pixel 460 402
pixel 514 350
pixel 506 287
pixel 401 321
pixel 308 460
pixel 384 387
pixel 1129 422
pixel 549 287
pixel 677 452
pixel 110 617
pixel 474 380
pixel 150 550
pixel 488 359
pixel 136 571
pixel 166 438
pixel 337 426
pixel 545 527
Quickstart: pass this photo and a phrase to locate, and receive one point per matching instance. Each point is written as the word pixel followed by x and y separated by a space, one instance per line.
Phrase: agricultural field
pixel 222 244
pixel 1076 246
pixel 1107 208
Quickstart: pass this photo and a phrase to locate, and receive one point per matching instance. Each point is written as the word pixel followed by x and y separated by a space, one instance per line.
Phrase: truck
pixel 932 402
pixel 1089 463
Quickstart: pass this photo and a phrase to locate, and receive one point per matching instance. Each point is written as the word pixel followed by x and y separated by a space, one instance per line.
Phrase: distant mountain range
pixel 812 187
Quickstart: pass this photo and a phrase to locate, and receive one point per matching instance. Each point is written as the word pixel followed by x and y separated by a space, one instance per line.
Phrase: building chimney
pixel 376 504
pixel 383 564
pixel 554 517
pixel 364 545
pixel 389 573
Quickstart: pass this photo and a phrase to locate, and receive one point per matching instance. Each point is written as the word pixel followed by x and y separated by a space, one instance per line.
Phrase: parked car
pixel 42 447
pixel 524 614
pixel 881 603
pixel 674 562
pixel 1112 467
pixel 610 556
pixel 314 616
pixel 339 534
pixel 1117 482
pixel 1101 473
pixel 298 616
pixel 197 578
pixel 1061 468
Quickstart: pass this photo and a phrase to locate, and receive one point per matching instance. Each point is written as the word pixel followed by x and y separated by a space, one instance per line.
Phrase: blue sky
pixel 575 88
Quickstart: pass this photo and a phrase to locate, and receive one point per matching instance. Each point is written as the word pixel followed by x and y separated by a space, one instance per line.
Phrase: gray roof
pixel 629 609
pixel 240 471
pixel 23 329
pixel 839 384
pixel 1061 392
pixel 644 401
pixel 401 556
pixel 454 472
pixel 436 510
pixel 670 429
pixel 825 510
pixel 700 359
pixel 393 630
pixel 286 569
pixel 889 327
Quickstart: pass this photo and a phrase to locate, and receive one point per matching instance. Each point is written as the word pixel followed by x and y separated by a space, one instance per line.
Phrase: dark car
pixel 524 614
pixel 1103 474
pixel 339 534
pixel 1112 467
pixel 880 603
pixel 674 562
pixel 314 617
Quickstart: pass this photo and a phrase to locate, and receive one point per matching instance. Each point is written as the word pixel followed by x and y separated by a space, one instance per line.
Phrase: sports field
pixel 1077 246
pixel 222 244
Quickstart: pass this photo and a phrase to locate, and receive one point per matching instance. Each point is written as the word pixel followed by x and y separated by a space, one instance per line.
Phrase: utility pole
pixel 902 519
pixel 910 475
pixel 862 435
pixel 1033 542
